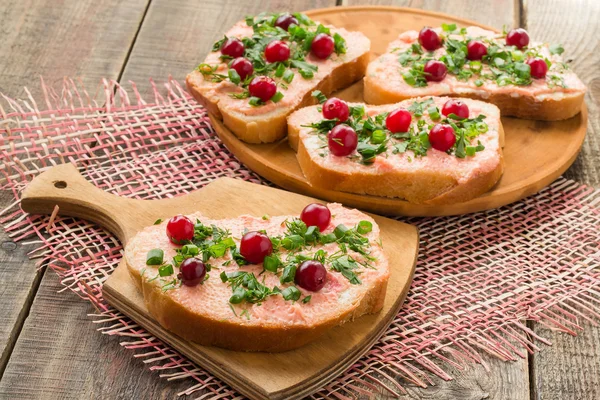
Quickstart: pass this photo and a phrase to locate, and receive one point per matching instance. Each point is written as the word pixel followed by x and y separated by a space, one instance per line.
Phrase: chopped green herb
pixel 158 221
pixel 291 293
pixel 321 98
pixel 155 257
pixel 165 270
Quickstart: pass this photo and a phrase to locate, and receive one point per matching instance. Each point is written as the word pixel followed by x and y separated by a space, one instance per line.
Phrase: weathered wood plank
pixel 575 24
pixel 87 39
pixel 488 12
pixel 75 38
pixel 570 368
pixel 177 35
pixel 59 355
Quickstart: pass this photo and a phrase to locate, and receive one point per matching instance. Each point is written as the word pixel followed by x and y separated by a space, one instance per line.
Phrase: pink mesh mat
pixel 478 278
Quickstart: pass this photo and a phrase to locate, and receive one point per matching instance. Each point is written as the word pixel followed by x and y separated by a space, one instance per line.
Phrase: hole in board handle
pixel 60 184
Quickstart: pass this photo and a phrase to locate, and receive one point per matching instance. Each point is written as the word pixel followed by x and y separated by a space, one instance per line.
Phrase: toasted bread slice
pixel 267 123
pixel 391 77
pixel 204 314
pixel 435 178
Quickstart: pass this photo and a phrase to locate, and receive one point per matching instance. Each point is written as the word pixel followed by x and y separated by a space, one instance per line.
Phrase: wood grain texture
pixel 59 355
pixel 72 38
pixel 87 39
pixel 570 368
pixel 19 280
pixel 575 24
pixel 494 13
pixel 504 381
pixel 178 34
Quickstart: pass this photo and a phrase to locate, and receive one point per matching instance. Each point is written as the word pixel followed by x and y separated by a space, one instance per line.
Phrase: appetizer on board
pixel 429 150
pixel 525 79
pixel 260 283
pixel 267 66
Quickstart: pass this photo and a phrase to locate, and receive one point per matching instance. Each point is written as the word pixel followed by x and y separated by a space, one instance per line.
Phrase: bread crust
pixel 526 107
pixel 230 334
pixel 433 187
pixel 271 127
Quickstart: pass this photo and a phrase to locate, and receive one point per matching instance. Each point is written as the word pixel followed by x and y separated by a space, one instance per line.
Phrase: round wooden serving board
pixel 536 152
pixel 290 375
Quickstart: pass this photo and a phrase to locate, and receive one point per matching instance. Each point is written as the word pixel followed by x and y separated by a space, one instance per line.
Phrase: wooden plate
pixel 290 375
pixel 536 152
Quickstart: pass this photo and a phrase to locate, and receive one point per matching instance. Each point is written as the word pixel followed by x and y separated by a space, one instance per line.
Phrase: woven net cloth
pixel 479 277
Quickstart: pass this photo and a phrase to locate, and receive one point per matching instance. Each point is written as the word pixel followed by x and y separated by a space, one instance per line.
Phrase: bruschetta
pixel 524 79
pixel 429 150
pixel 267 66
pixel 271 283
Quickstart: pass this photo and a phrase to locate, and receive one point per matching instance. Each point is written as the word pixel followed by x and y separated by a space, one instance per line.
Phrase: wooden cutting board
pixel 288 375
pixel 536 152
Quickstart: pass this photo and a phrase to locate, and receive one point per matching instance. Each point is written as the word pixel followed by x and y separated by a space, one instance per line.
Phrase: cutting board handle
pixel 65 187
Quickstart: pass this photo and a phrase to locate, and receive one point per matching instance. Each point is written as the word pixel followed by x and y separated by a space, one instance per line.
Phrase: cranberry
pixel 192 271
pixel 476 50
pixel 262 87
pixel 398 121
pixel 255 246
pixel 336 108
pixel 429 39
pixel 311 275
pixel 517 37
pixel 316 215
pixel 539 68
pixel 322 46
pixel 285 20
pixel 180 229
pixel 277 51
pixel 441 137
pixel 233 48
pixel 456 107
pixel 435 70
pixel 342 140
pixel 242 66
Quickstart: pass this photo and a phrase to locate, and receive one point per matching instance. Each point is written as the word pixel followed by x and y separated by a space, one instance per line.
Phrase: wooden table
pixel 50 349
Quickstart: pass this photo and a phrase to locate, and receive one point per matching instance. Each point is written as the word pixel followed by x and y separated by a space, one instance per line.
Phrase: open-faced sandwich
pixel 524 79
pixel 260 284
pixel 429 150
pixel 267 66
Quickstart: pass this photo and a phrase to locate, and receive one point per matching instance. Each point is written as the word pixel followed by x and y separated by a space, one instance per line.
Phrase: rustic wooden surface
pixel 58 353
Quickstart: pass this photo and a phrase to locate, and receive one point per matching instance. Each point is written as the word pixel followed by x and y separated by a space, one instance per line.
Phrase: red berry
pixel 322 45
pixel 539 68
pixel 429 39
pixel 316 215
pixel 180 229
pixel 435 70
pixel 476 50
pixel 262 87
pixel 192 271
pixel 517 37
pixel 342 140
pixel 398 121
pixel 441 137
pixel 311 275
pixel 285 20
pixel 277 51
pixel 255 246
pixel 336 108
pixel 233 48
pixel 242 66
pixel 456 107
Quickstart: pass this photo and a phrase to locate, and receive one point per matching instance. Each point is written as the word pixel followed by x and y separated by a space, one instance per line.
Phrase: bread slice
pixel 203 313
pixel 267 123
pixel 436 178
pixel 543 99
